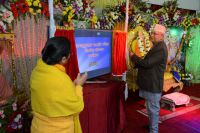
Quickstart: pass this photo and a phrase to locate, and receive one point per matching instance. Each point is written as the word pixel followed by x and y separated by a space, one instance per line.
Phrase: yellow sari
pixel 56 102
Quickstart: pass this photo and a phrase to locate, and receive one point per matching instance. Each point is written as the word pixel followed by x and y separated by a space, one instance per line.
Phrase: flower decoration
pixel 144 43
pixel 112 15
pixel 195 21
pixel 2 27
pixel 68 14
pixel 139 41
pixel 93 18
pixel 11 10
pixel 186 23
pixel 168 15
pixel 16 122
pixel 6 18
pixel 14 10
pixel 12 116
pixel 79 10
pixel 19 8
pixel 35 7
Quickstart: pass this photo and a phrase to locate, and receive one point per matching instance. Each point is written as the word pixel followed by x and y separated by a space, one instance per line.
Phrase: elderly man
pixel 151 75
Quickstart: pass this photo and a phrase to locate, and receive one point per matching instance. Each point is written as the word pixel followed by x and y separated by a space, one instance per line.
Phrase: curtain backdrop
pixel 119 53
pixel 6 61
pixel 72 64
pixel 30 38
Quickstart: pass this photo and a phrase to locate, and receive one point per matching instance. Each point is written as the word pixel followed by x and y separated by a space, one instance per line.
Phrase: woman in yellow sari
pixel 56 100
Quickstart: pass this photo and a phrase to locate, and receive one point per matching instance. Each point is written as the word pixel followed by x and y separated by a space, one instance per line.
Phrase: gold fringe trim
pixel 64 28
pixel 7 37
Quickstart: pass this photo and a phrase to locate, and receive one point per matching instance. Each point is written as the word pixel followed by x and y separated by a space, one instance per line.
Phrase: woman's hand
pixel 80 79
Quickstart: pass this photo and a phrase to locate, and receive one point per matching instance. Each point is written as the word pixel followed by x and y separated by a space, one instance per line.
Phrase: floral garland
pixel 139 41
pixel 143 43
pixel 11 11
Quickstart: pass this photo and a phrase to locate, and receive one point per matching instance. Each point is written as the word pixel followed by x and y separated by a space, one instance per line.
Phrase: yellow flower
pixel 70 7
pixel 39 11
pixel 70 16
pixel 69 19
pixel 94 19
pixel 155 21
pixel 64 13
pixel 29 4
pixel 31 10
pixel 199 19
pixel 71 13
pixel 67 9
pixel 40 5
pixel 35 3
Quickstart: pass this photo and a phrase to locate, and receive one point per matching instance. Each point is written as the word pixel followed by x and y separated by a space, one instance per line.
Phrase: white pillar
pixel 126 19
pixel 127 52
pixel 52 22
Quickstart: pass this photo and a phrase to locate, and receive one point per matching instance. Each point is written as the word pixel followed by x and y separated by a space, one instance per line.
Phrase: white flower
pixel 165 16
pixel 19 116
pixel 20 126
pixel 6 16
pixel 79 3
pixel 176 16
pixel 114 15
pixel 16 119
pixel 87 9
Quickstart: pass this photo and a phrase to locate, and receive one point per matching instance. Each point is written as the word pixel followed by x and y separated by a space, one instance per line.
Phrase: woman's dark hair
pixel 54 49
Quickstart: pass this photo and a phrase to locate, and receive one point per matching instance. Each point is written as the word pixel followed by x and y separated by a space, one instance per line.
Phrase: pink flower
pixel 5 15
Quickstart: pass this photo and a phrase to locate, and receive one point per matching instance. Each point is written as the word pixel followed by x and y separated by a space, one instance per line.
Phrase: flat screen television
pixel 93 51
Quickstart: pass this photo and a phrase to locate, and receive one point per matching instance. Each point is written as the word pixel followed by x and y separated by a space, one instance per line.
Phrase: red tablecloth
pixel 104 107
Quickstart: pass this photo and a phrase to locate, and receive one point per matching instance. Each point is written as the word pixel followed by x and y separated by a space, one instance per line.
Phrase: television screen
pixel 93 51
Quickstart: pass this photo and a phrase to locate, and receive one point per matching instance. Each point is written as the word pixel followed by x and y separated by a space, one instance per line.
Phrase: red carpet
pixel 186 123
